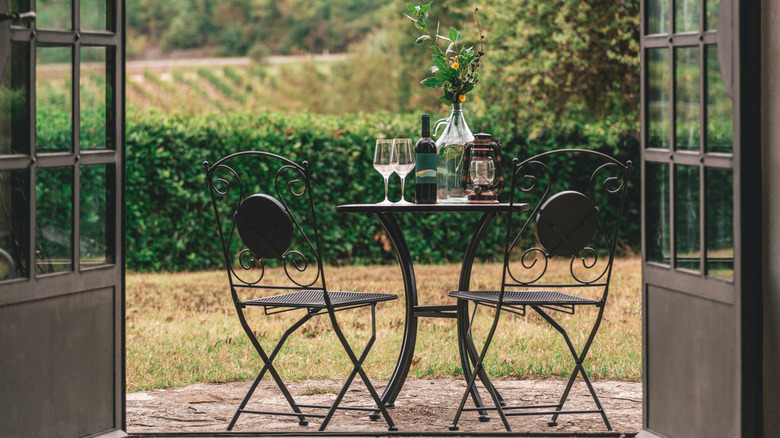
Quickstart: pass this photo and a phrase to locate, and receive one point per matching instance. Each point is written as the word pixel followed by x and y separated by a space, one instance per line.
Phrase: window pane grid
pixel 688 148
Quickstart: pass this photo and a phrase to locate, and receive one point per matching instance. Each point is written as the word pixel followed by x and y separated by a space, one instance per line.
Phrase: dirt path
pixel 423 406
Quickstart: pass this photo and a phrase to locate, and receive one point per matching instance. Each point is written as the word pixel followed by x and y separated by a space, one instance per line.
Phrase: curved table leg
pixel 404 362
pixel 468 352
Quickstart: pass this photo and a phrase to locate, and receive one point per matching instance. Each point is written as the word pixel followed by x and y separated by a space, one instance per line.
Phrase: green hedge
pixel 170 226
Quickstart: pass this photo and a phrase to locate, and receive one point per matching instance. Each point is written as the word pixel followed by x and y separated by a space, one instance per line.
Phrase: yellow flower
pixel 462 97
pixel 455 65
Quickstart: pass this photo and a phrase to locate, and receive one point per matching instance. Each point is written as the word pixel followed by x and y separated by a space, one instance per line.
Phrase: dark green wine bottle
pixel 425 165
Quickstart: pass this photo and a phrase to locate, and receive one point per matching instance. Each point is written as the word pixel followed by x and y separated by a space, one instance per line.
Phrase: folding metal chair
pixel 265 216
pixel 577 220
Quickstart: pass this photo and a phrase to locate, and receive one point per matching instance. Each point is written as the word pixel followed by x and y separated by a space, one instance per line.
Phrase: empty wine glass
pixel 403 157
pixel 383 162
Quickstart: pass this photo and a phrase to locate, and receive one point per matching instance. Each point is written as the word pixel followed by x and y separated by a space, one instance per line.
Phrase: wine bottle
pixel 425 165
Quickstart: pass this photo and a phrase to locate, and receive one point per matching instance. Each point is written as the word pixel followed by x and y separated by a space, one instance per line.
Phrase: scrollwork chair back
pixel 577 200
pixel 265 217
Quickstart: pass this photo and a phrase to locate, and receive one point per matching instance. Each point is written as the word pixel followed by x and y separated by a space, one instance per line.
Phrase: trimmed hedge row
pixel 170 225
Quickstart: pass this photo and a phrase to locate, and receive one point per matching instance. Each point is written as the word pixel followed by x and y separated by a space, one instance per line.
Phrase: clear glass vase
pixel 449 152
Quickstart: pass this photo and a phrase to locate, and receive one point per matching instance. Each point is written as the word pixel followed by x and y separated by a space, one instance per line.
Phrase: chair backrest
pixel 576 199
pixel 265 218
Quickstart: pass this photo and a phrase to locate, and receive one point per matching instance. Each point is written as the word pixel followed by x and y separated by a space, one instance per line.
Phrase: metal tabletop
pixel 429 208
pixel 385 216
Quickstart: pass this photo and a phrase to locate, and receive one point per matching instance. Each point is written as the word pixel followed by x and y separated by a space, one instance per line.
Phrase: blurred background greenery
pixel 548 63
pixel 556 73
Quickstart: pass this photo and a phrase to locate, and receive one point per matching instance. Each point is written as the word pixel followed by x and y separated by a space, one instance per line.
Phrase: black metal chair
pixel 265 216
pixel 576 220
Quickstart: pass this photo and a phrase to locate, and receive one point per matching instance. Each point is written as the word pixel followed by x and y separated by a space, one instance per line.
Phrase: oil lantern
pixel 481 177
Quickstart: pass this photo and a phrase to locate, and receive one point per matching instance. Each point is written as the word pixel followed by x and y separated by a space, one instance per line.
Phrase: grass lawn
pixel 183 329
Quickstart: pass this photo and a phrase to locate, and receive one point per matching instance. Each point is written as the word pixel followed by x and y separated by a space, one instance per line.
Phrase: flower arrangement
pixel 455 68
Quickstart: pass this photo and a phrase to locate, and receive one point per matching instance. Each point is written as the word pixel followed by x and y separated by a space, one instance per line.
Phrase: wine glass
pixel 403 157
pixel 383 162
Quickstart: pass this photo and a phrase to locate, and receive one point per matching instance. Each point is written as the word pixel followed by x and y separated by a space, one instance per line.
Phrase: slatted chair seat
pixel 524 297
pixel 314 299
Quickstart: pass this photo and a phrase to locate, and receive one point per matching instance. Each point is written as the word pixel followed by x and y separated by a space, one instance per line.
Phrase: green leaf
pixel 445 100
pixel 454 35
pixel 431 83
pixel 466 56
pixel 422 38
pixel 442 76
pixel 425 8
pixel 411 8
pixel 441 62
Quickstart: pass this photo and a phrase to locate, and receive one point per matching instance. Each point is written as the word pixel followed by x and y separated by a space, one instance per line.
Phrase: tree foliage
pixel 235 27
pixel 551 61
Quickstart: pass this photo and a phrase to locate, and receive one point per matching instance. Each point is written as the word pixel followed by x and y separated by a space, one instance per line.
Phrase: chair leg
pixel 480 370
pixel 268 366
pixel 473 354
pixel 579 359
pixel 595 397
pixel 357 369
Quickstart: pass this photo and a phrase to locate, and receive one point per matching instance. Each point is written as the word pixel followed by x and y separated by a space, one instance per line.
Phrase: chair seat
pixel 523 297
pixel 315 299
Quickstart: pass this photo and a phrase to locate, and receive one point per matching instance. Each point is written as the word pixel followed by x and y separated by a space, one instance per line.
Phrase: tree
pixel 549 61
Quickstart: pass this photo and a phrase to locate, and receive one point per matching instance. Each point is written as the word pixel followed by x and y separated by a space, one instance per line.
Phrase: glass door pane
pixel 719 107
pixel 686 15
pixel 54 13
pixel 712 14
pixel 94 94
pixel 658 98
pixel 720 223
pixel 687 77
pixel 687 223
pixel 657 16
pixel 14 96
pixel 54 220
pixel 96 228
pixel 93 15
pixel 14 224
pixel 657 213
pixel 54 99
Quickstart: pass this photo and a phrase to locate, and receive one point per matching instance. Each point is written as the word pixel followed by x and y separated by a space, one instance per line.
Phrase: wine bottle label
pixel 425 169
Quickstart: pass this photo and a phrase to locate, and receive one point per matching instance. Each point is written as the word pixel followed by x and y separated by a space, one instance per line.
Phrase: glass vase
pixel 449 153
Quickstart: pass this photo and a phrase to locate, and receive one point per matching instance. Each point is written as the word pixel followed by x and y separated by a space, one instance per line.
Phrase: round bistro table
pixel 385 214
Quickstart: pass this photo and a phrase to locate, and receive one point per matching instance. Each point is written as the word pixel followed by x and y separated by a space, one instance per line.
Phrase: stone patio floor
pixel 424 407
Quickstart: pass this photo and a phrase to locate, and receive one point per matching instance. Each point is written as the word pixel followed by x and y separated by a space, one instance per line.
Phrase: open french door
pixel 61 217
pixel 701 220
